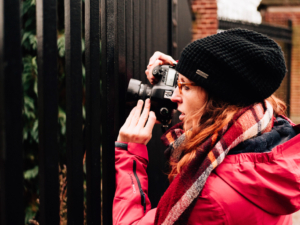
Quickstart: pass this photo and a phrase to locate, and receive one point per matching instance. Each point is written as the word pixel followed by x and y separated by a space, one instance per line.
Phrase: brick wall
pixel 280 16
pixel 206 22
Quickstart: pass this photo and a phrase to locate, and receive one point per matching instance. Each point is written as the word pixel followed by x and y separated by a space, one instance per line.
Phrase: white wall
pixel 245 10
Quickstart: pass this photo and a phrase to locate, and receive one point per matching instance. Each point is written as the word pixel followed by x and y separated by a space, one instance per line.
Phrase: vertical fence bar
pixel 289 61
pixel 288 97
pixel 121 42
pixel 173 29
pixel 129 38
pixel 155 24
pixel 136 39
pixel 74 111
pixel 157 160
pixel 48 111
pixel 92 65
pixel 163 26
pixel 149 50
pixel 184 25
pixel 108 75
pixel 143 40
pixel 11 173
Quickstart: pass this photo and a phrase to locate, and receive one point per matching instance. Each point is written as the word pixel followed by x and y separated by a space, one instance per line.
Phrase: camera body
pixel 159 94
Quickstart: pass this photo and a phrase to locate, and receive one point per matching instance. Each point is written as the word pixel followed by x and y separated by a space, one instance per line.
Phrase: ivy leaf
pixel 34 65
pixel 29 213
pixel 82 45
pixel 31 173
pixel 33 41
pixel 62 120
pixel 25 42
pixel 61 45
pixel 29 108
pixel 25 134
pixel 29 103
pixel 27 68
pixel 83 113
pixel 29 22
pixel 35 87
pixel 34 131
pixel 25 5
pixel 83 74
pixel 29 41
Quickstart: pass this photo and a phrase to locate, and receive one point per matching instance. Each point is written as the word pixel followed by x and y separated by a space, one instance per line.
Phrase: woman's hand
pixel 134 129
pixel 157 59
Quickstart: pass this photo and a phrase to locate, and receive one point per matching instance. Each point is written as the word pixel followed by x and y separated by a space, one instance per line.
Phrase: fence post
pixel 142 38
pixel 74 111
pixel 92 125
pixel 109 76
pixel 159 41
pixel 129 38
pixel 173 26
pixel 121 57
pixel 136 38
pixel 11 99
pixel 48 110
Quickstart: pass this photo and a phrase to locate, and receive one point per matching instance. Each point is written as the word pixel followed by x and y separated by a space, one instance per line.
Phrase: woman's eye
pixel 185 87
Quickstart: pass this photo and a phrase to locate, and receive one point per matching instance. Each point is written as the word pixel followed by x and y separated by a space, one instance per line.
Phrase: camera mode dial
pixel 157 71
pixel 164 111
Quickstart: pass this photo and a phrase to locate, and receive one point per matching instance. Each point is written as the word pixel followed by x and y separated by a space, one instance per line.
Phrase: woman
pixel 234 158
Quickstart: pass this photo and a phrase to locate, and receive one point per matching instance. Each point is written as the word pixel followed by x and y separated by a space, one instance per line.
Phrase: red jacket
pixel 248 188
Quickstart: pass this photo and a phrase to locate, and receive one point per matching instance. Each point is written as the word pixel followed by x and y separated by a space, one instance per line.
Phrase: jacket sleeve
pixel 131 205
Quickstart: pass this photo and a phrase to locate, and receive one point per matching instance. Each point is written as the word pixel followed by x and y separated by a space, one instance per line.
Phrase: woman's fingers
pixel 158 58
pixel 163 57
pixel 149 70
pixel 154 64
pixel 134 129
pixel 150 124
pixel 136 114
pixel 144 115
pixel 129 118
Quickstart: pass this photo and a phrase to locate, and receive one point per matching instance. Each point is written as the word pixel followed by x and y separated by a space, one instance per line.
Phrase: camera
pixel 159 94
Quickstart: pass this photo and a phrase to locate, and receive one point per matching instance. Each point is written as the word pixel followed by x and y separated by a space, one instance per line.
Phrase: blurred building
pixel 274 12
pixel 206 18
pixel 285 13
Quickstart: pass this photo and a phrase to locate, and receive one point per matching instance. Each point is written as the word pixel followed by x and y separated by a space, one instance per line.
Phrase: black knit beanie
pixel 237 66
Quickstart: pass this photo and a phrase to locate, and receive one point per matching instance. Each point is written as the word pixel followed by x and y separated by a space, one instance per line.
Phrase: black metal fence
pixel 120 36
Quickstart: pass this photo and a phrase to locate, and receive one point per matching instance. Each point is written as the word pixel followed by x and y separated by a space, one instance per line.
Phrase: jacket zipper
pixel 143 198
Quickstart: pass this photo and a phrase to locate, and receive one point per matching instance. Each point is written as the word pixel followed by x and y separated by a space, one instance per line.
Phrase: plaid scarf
pixel 179 199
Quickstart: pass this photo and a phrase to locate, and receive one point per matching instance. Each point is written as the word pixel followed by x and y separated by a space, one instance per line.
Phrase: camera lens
pixel 133 92
pixel 136 90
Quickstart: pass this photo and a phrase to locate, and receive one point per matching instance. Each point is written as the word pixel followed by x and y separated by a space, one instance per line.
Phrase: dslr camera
pixel 159 94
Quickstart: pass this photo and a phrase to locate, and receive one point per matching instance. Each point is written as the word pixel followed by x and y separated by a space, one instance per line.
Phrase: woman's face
pixel 190 100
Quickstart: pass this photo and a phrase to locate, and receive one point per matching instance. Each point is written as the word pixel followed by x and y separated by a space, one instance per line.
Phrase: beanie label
pixel 202 74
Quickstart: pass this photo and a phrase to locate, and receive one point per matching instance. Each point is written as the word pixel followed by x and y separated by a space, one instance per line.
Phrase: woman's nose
pixel 176 96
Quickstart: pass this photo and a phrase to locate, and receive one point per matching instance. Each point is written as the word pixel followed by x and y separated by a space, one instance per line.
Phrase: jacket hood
pixel 270 180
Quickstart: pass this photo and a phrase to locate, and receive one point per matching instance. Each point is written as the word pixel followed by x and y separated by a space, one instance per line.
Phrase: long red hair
pixel 207 122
